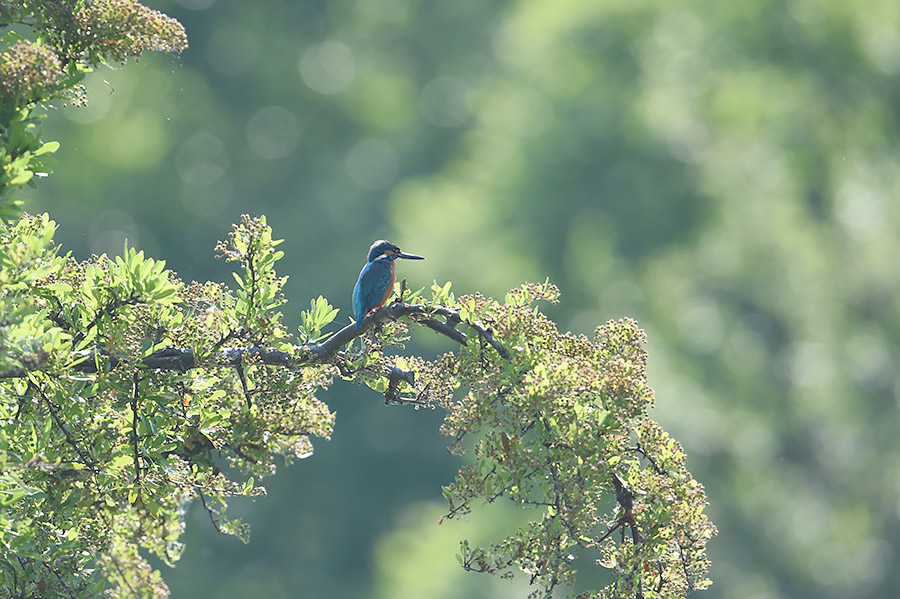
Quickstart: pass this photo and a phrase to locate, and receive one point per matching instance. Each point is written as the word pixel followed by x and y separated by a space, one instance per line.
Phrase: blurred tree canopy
pixel 724 172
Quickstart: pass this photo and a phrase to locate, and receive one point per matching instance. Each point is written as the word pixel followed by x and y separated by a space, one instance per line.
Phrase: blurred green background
pixel 726 172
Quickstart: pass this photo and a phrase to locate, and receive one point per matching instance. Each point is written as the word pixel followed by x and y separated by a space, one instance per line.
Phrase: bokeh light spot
pixel 110 229
pixel 882 44
pixel 102 98
pixel 810 365
pixel 201 159
pixel 328 68
pixel 206 200
pixel 273 132
pixel 372 164
pixel 860 206
pixel 444 102
pixel 702 326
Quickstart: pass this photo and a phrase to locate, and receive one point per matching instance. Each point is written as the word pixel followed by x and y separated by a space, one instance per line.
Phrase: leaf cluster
pixel 562 429
pixel 98 453
pixel 46 48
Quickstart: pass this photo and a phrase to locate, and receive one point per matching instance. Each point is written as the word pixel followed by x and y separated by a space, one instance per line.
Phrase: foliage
pixel 126 394
pixel 68 38
pixel 101 453
pixel 726 173
pixel 563 427
pixel 106 442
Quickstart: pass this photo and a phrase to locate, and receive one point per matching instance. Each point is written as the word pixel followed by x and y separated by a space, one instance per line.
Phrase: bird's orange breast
pixel 390 287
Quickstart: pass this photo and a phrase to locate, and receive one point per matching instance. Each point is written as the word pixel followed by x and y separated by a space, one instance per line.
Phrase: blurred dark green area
pixel 726 172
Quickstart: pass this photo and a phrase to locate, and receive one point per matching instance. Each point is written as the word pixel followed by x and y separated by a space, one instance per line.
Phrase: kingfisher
pixel 377 277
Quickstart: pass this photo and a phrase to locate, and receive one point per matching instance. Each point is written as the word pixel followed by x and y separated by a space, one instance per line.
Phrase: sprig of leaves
pixel 313 321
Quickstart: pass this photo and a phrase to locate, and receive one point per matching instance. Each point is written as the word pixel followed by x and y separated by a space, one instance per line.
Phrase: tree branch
pixel 109 309
pixel 183 359
pixel 212 517
pixel 86 458
pixel 395 377
pixel 240 370
pixel 325 351
pixel 134 431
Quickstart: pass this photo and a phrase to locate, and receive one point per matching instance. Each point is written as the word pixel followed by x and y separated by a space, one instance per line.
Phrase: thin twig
pixel 108 310
pixel 134 431
pixel 640 449
pixel 209 511
pixel 85 457
pixel 240 371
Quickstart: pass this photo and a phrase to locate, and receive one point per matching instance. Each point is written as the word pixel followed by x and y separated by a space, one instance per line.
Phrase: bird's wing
pixel 373 281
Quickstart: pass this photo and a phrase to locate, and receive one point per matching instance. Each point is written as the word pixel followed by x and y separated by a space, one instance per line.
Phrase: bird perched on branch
pixel 376 279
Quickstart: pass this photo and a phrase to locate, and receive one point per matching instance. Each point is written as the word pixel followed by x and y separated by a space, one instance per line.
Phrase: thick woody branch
pixel 325 351
pixel 440 319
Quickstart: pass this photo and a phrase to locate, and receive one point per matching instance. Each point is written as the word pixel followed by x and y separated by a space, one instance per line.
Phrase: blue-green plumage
pixel 376 279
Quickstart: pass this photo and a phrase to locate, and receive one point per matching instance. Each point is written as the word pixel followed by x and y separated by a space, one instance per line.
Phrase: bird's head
pixel 386 250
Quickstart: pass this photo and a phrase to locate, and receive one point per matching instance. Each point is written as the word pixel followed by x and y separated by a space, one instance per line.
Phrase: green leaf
pixel 10 497
pixel 120 461
pixel 47 148
pixel 59 287
pixel 22 177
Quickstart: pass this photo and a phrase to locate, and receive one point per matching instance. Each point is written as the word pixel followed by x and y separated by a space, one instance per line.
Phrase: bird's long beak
pixel 410 256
